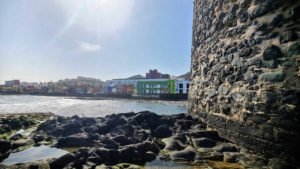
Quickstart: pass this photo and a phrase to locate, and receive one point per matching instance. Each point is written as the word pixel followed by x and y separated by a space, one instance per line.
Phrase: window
pixel 180 91
pixel 181 85
pixel 188 85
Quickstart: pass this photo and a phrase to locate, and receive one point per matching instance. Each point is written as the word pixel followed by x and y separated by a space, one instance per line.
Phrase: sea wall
pixel 245 72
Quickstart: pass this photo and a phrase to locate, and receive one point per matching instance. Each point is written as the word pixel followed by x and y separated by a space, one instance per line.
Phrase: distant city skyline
pixel 105 39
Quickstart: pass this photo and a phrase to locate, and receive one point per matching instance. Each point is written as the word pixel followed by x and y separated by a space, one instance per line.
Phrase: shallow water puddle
pixel 156 164
pixel 34 153
pixel 161 164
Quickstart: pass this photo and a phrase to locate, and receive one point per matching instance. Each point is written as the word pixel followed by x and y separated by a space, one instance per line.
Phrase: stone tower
pixel 245 72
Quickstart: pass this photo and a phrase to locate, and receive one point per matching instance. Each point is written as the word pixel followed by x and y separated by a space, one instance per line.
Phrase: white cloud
pixel 88 47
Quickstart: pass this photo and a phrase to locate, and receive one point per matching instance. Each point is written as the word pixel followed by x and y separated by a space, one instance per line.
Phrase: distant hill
pixel 186 76
pixel 136 77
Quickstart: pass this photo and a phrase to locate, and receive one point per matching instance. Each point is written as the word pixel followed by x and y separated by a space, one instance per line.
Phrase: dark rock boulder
pixel 184 155
pixel 276 163
pixel 272 52
pixel 226 147
pixel 62 161
pixel 277 76
pixel 129 154
pixel 204 133
pixel 5 146
pixel 108 156
pixel 215 156
pixel 288 37
pixel 108 143
pixel 204 142
pixel 122 140
pixel 76 140
pixel 71 128
pixel 38 138
pixel 16 136
pixel 162 131
pixel 184 124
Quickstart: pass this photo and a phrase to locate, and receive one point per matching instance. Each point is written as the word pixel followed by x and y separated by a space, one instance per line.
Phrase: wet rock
pixel 122 140
pixel 62 161
pixel 226 147
pixel 4 149
pixel 272 52
pixel 76 140
pixel 130 155
pixel 149 156
pixel 172 145
pixel 94 158
pixel 16 136
pixel 5 146
pixel 20 143
pixel 38 138
pixel 214 156
pixel 4 128
pixel 108 156
pixel 71 128
pixel 14 123
pixel 205 133
pixel 204 142
pixel 146 146
pixel 102 166
pixel 188 154
pixel 162 131
pixel 109 143
pixel 231 157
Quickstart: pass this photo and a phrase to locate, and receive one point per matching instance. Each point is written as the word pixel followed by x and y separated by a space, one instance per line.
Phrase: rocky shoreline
pixel 126 140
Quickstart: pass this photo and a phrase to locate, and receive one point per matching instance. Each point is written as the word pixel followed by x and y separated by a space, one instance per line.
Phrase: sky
pixel 56 39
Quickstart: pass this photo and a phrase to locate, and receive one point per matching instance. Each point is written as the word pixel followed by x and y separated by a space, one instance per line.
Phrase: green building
pixel 155 87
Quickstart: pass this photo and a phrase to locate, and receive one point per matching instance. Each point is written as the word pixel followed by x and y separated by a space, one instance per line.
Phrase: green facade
pixel 155 87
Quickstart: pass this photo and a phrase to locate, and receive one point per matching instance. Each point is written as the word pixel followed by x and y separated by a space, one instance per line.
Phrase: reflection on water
pixel 34 153
pixel 69 106
pixel 156 164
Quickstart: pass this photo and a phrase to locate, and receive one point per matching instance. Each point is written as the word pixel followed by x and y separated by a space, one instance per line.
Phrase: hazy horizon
pixel 106 39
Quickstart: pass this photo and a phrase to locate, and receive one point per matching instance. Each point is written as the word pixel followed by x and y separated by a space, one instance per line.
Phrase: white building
pixel 182 86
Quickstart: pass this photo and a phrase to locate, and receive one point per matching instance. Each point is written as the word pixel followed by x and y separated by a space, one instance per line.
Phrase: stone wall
pixel 245 72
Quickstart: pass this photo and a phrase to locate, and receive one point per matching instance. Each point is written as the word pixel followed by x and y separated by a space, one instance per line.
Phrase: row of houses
pixel 153 84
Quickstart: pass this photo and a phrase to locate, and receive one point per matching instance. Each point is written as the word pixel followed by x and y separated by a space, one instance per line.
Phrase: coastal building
pixel 182 86
pixel 11 86
pixel 154 74
pixel 156 87
pixel 12 83
pixel 123 86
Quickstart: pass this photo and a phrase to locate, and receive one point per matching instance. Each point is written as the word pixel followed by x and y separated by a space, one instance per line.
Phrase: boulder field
pixel 126 139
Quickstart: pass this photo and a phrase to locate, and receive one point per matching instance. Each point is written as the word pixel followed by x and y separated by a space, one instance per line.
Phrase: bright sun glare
pixel 97 16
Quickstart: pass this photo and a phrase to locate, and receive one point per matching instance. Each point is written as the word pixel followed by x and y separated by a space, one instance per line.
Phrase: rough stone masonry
pixel 245 73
